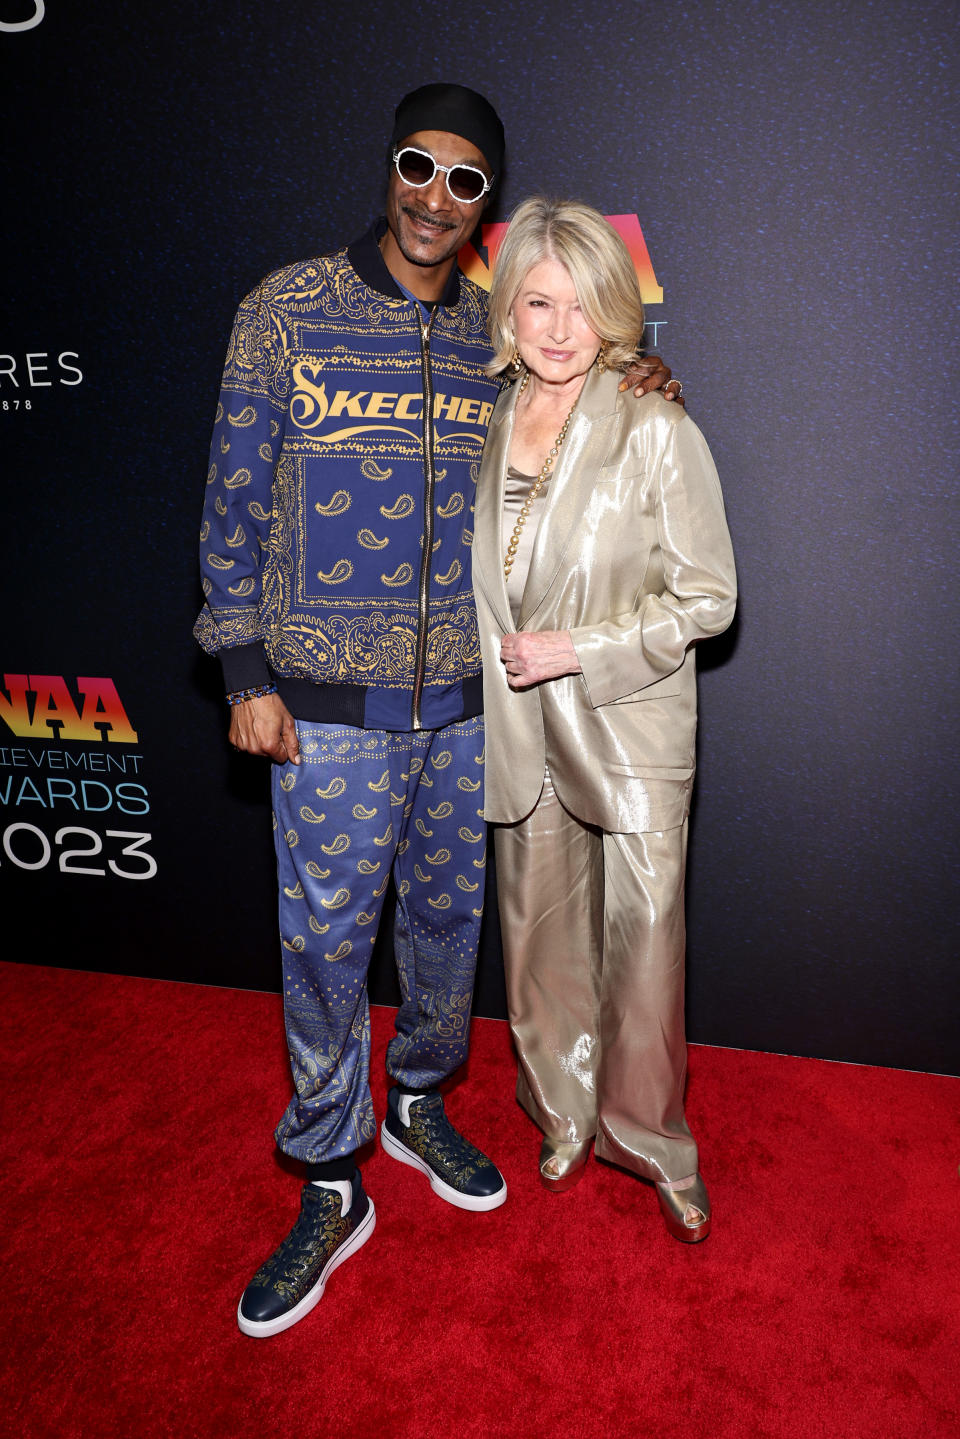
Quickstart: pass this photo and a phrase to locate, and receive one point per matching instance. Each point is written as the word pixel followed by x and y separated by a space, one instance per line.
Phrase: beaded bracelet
pixel 255 692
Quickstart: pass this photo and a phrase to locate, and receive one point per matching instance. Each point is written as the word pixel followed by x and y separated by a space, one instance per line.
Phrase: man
pixel 335 552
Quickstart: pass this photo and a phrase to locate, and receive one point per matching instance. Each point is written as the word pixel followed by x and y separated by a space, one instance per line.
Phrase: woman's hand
pixel 541 655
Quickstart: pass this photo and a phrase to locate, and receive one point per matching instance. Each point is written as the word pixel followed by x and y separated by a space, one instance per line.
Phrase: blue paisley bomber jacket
pixel 337 526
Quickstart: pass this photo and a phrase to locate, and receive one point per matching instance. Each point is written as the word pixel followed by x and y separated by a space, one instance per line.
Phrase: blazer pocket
pixel 667 689
pixel 651 772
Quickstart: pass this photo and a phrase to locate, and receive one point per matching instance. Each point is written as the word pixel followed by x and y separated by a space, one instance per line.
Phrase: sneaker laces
pixel 429 1119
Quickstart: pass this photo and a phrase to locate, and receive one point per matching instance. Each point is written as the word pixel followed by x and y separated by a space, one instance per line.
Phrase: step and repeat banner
pixel 781 177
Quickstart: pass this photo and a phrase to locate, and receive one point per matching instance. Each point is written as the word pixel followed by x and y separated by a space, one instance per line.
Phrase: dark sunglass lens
pixel 466 184
pixel 414 168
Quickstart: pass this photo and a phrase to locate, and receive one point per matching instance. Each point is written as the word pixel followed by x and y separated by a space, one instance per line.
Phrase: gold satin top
pixel 516 490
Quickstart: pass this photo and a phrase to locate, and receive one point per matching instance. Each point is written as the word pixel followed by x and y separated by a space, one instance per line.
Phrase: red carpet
pixel 140 1193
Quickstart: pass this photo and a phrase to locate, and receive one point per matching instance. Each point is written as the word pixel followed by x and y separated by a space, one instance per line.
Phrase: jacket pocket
pixel 666 689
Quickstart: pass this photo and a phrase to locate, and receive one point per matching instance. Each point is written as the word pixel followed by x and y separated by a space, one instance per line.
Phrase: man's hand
pixel 265 726
pixel 650 373
pixel 541 655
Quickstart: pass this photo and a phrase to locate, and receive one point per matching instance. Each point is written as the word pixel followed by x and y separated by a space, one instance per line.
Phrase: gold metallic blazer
pixel 633 557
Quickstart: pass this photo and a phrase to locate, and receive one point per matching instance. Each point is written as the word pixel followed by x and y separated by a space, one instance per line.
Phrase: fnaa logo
pixel 627 226
pixel 42 707
pixel 31 22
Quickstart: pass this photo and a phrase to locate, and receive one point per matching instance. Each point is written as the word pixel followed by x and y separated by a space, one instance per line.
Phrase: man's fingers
pixel 657 377
pixel 264 726
pixel 646 373
pixel 290 739
pixel 639 374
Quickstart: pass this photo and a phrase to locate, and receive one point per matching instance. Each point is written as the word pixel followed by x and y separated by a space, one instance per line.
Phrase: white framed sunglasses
pixel 417 168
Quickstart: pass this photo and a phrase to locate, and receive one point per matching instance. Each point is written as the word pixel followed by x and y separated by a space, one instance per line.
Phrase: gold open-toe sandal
pixel 685 1205
pixel 562 1162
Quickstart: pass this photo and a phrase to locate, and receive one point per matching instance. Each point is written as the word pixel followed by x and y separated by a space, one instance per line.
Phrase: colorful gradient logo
pixel 627 226
pixel 42 707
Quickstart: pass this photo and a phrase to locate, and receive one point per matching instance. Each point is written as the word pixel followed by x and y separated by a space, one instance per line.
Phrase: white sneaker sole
pixel 478 1204
pixel 268 1327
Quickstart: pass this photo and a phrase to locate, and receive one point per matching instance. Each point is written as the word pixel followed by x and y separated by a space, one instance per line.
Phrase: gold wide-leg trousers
pixel 594 948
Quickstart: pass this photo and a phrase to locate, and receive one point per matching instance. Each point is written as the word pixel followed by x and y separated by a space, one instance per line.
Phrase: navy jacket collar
pixel 365 257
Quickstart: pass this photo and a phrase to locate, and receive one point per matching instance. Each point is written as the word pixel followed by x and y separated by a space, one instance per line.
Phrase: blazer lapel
pixel 588 440
pixel 487 558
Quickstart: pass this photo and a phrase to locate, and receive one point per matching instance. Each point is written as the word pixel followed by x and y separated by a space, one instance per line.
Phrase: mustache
pixel 423 217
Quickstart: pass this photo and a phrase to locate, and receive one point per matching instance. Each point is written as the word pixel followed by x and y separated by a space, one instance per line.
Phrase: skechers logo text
pixel 310 407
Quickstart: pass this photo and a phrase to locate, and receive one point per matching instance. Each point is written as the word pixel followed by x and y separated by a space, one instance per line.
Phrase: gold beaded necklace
pixel 536 487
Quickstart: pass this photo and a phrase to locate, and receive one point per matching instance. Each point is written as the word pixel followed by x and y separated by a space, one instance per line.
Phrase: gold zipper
pixel 420 662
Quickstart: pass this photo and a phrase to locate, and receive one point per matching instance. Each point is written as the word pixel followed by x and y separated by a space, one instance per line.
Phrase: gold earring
pixel 602 357
pixel 516 364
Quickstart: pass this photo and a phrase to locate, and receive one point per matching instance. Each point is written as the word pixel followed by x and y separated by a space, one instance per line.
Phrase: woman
pixel 601 555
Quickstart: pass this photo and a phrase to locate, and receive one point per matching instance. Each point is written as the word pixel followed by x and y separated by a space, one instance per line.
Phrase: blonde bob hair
pixel 597 261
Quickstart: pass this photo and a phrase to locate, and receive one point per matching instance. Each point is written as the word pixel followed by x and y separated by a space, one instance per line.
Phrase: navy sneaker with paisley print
pixel 292 1280
pixel 417 1132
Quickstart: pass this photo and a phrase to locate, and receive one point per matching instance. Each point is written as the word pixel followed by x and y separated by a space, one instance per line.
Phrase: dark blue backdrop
pixel 792 174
